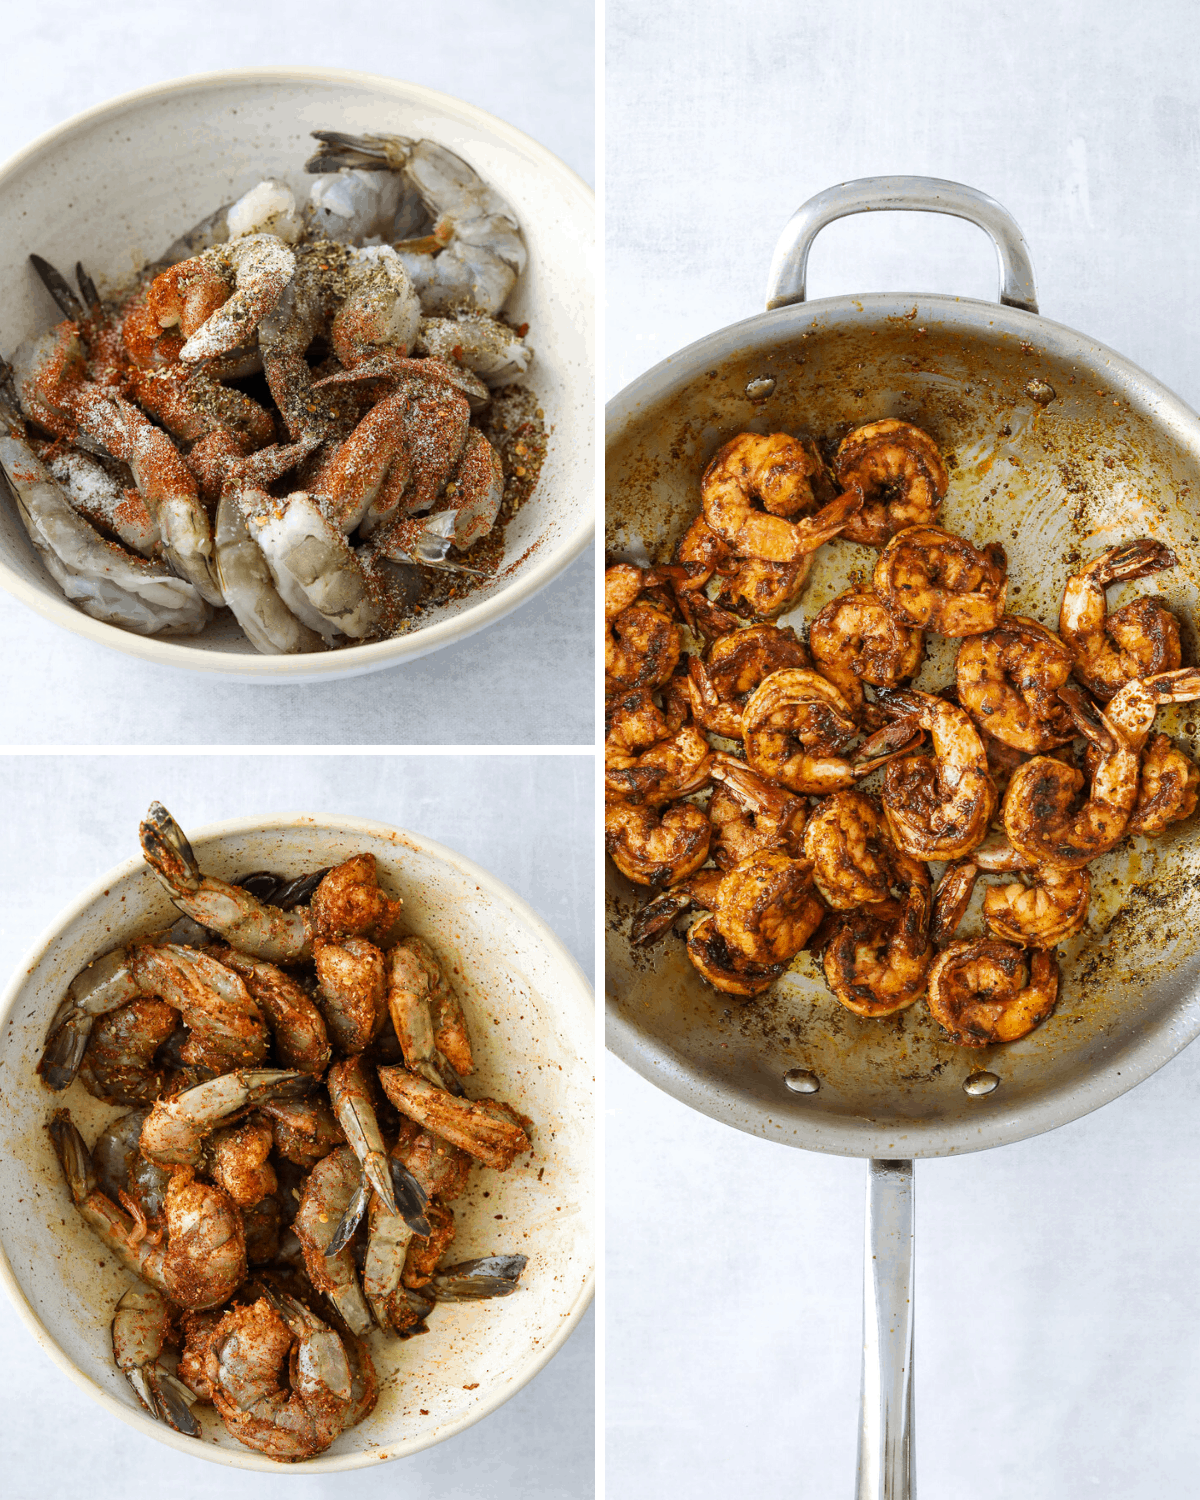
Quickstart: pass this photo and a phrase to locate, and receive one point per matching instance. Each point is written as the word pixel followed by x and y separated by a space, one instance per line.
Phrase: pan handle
pixel 789 264
pixel 885 1437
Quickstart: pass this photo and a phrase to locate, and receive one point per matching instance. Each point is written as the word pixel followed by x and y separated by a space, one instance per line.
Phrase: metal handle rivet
pixel 1040 391
pixel 760 389
pixel 977 1084
pixel 801 1081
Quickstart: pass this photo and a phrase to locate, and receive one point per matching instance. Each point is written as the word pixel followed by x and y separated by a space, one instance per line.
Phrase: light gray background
pixel 1057 1303
pixel 527 819
pixel 531 62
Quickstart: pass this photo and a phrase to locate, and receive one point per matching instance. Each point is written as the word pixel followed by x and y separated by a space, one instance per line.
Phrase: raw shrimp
pixel 327 1194
pixel 1043 910
pixel 175 1129
pixel 352 997
pixel 494 351
pixel 795 728
pixel 349 902
pixel 119 1065
pixel 236 1160
pixel 1138 640
pixel 296 1024
pixel 246 923
pixel 767 909
pixel 719 689
pixel 388 1239
pixel 425 1250
pixel 101 577
pixel 103 985
pixel 490 1131
pixel 269 207
pixel 939 808
pixel 725 968
pixel 126 1177
pixel 928 578
pixel 749 814
pixel 249 586
pixel 350 1096
pixel 877 958
pixel 431 1161
pixel 305 1130
pixel 204 1258
pixel 217 299
pixel 900 474
pixel 788 478
pixel 854 640
pixel 248 1352
pixel 1008 681
pixel 141 1328
pixel 226 1027
pixel 91 490
pixel 449 1023
pixel 474 254
pixel 855 861
pixel 656 847
pixel 486 1276
pixel 413 977
pixel 641 642
pixel 989 991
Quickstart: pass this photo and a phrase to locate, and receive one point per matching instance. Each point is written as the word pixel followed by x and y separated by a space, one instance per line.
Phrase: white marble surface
pixel 67 819
pixel 531 63
pixel 1056 1299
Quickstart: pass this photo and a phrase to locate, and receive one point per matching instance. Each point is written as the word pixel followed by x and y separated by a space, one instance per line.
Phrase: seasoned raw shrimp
pixel 1041 811
pixel 248 1354
pixel 474 253
pixel 485 1276
pixel 877 958
pixel 327 1194
pixel 1169 785
pixel 653 846
pixel 426 1014
pixel 725 968
pixel 788 478
pixel 249 925
pixel 929 578
pixel 349 902
pixel 900 474
pixel 796 727
pixel 641 642
pixel 496 352
pixel 1046 909
pixel 1008 681
pixel 352 996
pixel 92 491
pixel 175 1129
pixel 141 1329
pixel 103 985
pixel 855 861
pixel 101 577
pixel 388 1240
pixel 719 689
pixel 1137 640
pixel 988 991
pixel 236 1160
pixel 749 814
pixel 203 1259
pixel 226 1027
pixel 300 1037
pixel 425 1250
pixel 305 1130
pixel 767 909
pixel 217 299
pixel 350 1096
pixel 939 808
pixel 119 1065
pixel 490 1131
pixel 126 1177
pixel 854 640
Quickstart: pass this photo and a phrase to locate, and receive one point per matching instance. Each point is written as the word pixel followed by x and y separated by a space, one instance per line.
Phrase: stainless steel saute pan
pixel 1058 448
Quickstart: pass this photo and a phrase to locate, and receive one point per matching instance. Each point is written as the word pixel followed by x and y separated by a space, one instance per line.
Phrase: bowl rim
pixel 347 661
pixel 247 1458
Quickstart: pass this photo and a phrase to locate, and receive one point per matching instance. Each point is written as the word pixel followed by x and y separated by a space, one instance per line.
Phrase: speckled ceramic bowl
pixel 531 1016
pixel 114 186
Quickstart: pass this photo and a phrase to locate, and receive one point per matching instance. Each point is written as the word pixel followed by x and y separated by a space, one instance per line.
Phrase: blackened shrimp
pixel 1137 640
pixel 1008 681
pixel 900 474
pixel 749 814
pixel 657 771
pixel 928 578
pixel 725 968
pixel 854 640
pixel 987 991
pixel 877 957
pixel 653 846
pixel 719 688
pixel 641 641
pixel 659 915
pixel 1043 908
pixel 855 860
pixel 1168 788
pixel 767 908
pixel 938 808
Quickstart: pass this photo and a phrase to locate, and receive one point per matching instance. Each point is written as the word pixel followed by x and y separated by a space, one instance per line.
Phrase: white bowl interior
pixel 531 1019
pixel 115 186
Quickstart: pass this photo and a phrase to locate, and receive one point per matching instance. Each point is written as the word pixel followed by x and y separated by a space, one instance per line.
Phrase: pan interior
pixel 1057 448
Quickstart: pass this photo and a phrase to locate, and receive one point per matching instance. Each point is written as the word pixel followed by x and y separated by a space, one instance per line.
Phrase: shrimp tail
pixel 1134 560
pixel 59 288
pixel 167 850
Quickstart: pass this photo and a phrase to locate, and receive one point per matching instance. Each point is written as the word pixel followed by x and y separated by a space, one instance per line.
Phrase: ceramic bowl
pixel 531 1017
pixel 114 186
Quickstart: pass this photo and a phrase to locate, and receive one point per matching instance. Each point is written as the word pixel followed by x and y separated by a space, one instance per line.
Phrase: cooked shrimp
pixel 1137 640
pixel 877 958
pixel 175 1129
pixel 989 991
pixel 1044 909
pixel 939 808
pixel 760 590
pixel 641 642
pixel 249 925
pixel 795 728
pixel 855 861
pixel 1008 681
pixel 1169 785
pixel 854 640
pixel 669 767
pixel 719 689
pixel 725 968
pixel 327 1194
pixel 656 847
pixel 490 1131
pixel 658 916
pixel 900 474
pixel 929 578
pixel 788 478
pixel 141 1329
pixel 749 814
pixel 767 909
